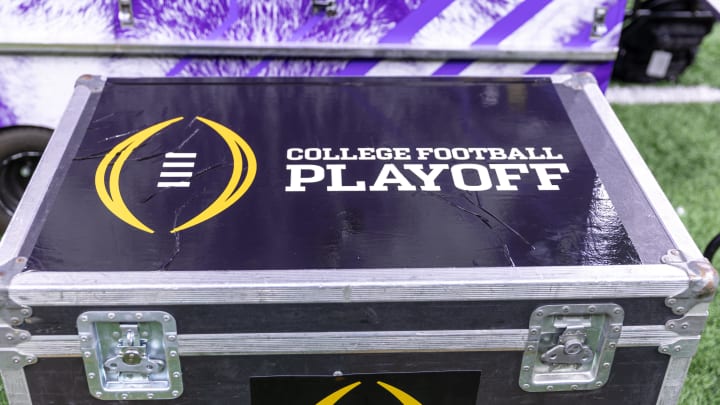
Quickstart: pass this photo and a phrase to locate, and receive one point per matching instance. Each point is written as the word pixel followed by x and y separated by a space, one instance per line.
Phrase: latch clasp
pixel 570 347
pixel 125 13
pixel 130 355
pixel 599 24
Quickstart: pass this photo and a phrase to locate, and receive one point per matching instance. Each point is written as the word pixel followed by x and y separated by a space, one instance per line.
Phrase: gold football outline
pixel 111 196
pixel 400 395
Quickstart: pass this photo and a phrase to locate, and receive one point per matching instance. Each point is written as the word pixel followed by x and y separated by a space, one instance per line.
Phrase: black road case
pixel 347 241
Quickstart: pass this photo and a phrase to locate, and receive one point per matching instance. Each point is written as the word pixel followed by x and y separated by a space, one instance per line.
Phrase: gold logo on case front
pixel 400 395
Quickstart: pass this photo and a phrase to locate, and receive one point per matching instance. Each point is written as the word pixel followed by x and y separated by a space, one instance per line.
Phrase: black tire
pixel 20 150
pixel 712 247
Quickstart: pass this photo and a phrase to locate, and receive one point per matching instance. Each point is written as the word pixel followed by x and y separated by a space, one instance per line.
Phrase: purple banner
pixel 583 39
pixel 7 117
pixel 511 22
pixel 403 32
pixel 232 15
pixel 296 36
pixel 501 30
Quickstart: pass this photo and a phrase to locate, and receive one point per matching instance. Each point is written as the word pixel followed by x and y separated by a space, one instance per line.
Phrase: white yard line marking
pixel 663 94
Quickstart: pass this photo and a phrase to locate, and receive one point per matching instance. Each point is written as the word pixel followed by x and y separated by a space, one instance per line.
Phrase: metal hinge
pixel 12 313
pixel 681 347
pixel 11 337
pixel 130 355
pixel 10 357
pixel 599 25
pixel 329 7
pixel 688 325
pixel 125 13
pixel 703 282
pixel 570 347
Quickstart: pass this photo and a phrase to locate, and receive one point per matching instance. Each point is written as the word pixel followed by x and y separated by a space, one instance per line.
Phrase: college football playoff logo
pixel 108 185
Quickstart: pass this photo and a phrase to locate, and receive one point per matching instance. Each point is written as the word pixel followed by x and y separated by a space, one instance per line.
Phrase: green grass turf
pixel 705 68
pixel 681 145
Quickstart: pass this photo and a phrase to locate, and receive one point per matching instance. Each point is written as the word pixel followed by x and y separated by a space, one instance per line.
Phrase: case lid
pixel 330 173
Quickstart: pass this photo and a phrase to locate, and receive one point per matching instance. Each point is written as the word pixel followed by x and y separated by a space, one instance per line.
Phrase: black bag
pixel 660 39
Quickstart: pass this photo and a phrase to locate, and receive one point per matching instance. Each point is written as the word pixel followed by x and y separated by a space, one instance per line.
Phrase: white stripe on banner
pixel 404 68
pixel 663 95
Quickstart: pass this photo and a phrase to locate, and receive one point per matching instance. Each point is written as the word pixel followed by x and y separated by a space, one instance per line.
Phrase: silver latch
pixel 329 7
pixel 570 347
pixel 130 355
pixel 599 25
pixel 125 13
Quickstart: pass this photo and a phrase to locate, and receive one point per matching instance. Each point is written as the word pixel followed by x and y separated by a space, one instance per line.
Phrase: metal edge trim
pixel 658 201
pixel 51 288
pixel 644 229
pixel 18 237
pixel 673 382
pixel 652 190
pixel 306 50
pixel 16 387
pixel 251 344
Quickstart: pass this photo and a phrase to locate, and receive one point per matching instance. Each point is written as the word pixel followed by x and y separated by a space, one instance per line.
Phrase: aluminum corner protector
pixel 576 81
pixel 702 283
pixel 93 83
